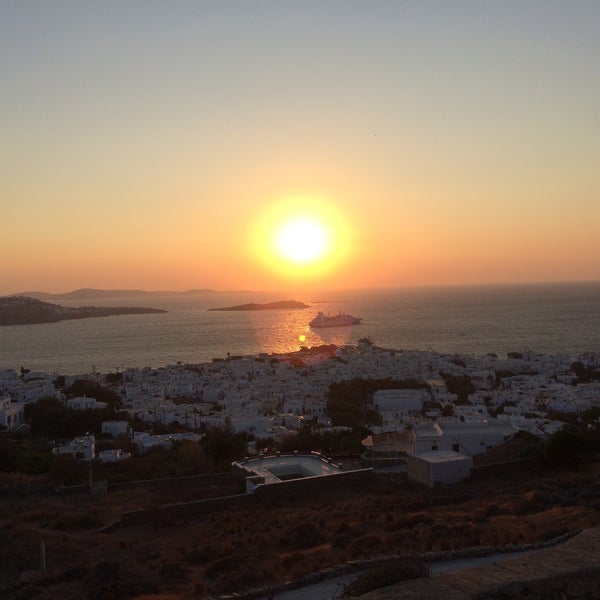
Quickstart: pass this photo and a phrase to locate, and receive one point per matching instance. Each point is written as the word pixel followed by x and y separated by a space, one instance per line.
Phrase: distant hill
pixel 21 310
pixel 91 293
pixel 267 306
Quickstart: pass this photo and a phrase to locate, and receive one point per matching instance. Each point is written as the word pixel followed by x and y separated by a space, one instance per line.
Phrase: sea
pixel 466 320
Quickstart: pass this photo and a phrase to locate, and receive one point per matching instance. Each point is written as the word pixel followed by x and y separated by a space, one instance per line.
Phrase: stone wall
pixel 262 494
pixel 168 482
pixel 182 510
pixel 307 485
pixel 569 570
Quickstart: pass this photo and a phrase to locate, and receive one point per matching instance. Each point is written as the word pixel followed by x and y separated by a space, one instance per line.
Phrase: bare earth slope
pixel 236 549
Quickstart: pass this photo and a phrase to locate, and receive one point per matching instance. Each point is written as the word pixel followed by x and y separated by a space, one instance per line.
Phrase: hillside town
pixel 461 404
pixel 354 456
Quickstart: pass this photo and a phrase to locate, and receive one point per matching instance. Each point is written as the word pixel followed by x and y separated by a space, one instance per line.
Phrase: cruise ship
pixel 323 320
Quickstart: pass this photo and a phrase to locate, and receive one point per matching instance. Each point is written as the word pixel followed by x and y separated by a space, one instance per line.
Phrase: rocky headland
pixel 22 310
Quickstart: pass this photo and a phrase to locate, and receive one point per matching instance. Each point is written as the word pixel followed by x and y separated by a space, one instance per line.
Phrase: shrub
pixel 341 540
pixel 225 564
pixel 566 446
pixel 66 469
pixel 173 571
pixel 302 536
pixel 345 527
pixel 366 545
pixel 69 522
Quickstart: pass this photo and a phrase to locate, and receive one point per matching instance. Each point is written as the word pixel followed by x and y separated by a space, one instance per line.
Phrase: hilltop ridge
pixel 265 306
pixel 23 310
pixel 92 293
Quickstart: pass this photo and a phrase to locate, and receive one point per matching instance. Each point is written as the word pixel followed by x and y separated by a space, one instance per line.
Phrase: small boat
pixel 341 319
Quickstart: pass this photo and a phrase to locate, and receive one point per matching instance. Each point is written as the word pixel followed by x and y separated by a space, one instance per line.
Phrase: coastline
pixel 466 321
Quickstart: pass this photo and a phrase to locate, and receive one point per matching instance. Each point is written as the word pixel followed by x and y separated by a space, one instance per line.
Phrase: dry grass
pixel 234 550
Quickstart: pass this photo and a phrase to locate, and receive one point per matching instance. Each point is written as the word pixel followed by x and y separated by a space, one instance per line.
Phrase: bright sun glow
pixel 301 237
pixel 302 241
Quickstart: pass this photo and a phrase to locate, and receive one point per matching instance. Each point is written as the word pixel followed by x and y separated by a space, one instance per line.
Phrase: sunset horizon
pixel 288 292
pixel 299 298
pixel 280 146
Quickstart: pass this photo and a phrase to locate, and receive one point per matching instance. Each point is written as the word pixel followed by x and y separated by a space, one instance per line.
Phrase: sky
pixel 165 145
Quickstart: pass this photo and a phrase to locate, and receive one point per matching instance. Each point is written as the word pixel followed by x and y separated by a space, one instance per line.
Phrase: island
pixel 22 310
pixel 266 306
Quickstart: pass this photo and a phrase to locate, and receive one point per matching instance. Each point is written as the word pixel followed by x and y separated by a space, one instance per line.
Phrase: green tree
pixel 91 389
pixel 346 399
pixel 114 378
pixel 461 385
pixel 584 373
pixel 223 447
pixel 327 441
pixel 192 459
pixel 448 410
pixel 569 445
pixel 49 417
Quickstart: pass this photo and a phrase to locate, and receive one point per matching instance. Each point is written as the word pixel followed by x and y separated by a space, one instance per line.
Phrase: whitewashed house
pixel 8 379
pixel 33 390
pixel 110 456
pixel 293 405
pixel 11 413
pixel 81 448
pixel 466 437
pixel 395 406
pixel 315 407
pixel 144 441
pixel 116 428
pixel 446 467
pixel 401 401
pixel 84 403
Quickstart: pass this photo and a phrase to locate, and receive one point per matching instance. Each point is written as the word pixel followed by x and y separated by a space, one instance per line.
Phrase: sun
pixel 302 240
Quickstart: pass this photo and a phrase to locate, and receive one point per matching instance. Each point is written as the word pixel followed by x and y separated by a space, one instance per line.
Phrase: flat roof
pixel 400 393
pixel 441 456
pixel 275 469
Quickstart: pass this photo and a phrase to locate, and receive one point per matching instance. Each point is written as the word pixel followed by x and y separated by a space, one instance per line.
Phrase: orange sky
pixel 148 146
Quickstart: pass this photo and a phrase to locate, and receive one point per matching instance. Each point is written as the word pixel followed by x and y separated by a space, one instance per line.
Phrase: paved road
pixel 324 590
pixel 444 566
pixel 331 588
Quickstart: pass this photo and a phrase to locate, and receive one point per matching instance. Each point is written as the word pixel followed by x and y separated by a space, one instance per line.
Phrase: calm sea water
pixel 549 319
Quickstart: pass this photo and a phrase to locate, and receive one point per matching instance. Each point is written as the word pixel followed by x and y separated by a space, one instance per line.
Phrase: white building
pixel 315 407
pixel 113 455
pixel 466 437
pixel 116 428
pixel 400 401
pixel 430 468
pixel 11 413
pixel 81 448
pixel 144 441
pixel 83 403
pixel 388 449
pixel 8 378
pixel 32 390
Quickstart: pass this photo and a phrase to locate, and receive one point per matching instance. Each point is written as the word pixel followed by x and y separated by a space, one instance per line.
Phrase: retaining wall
pixel 213 478
pixel 569 570
pixel 307 485
pixel 263 493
